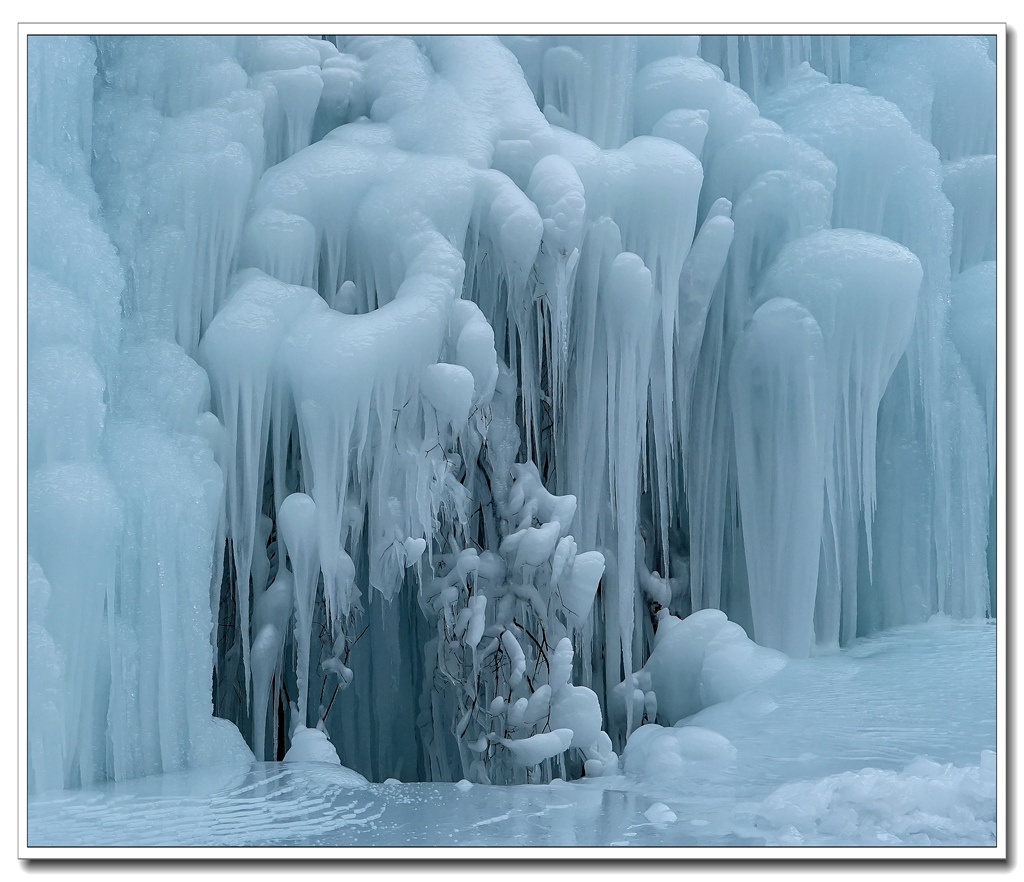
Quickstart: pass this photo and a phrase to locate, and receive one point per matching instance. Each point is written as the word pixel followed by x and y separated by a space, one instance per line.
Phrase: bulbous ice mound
pixel 860 287
pixel 660 753
pixel 313 746
pixel 696 662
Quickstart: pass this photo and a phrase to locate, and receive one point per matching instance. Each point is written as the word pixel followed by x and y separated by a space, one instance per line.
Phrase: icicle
pixel 782 414
pixel 626 298
pixel 46 731
pixel 970 185
pixel 297 527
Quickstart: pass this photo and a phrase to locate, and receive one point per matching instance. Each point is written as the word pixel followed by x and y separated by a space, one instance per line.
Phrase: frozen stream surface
pixel 889 742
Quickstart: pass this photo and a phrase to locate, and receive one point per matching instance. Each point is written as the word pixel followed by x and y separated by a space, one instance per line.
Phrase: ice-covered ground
pixel 890 742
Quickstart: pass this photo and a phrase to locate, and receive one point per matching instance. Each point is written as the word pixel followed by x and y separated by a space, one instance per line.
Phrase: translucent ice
pixel 455 406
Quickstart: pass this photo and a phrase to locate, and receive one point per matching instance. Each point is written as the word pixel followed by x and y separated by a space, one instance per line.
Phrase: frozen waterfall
pixel 430 402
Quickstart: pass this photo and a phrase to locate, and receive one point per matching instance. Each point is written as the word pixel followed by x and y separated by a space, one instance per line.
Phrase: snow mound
pixel 312 746
pixel 659 813
pixel 927 803
pixel 656 753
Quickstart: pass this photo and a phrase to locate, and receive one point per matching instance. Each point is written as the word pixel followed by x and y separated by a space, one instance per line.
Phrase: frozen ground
pixel 886 743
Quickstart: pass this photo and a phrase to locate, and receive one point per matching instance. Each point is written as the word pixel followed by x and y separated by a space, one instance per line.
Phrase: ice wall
pixel 124 494
pixel 402 386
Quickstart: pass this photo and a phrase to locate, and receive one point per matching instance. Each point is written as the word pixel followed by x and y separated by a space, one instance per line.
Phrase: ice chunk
pixel 696 662
pixel 582 583
pixel 475 628
pixel 688 128
pixel 516 658
pixel 311 746
pixel 535 749
pixel 659 813
pixel 577 709
pixel 656 753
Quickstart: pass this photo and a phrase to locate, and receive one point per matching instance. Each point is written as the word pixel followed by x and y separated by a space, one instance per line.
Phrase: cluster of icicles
pixel 407 384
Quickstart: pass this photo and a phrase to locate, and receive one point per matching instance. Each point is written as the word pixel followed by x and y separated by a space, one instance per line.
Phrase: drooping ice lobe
pixel 75 519
pixel 291 98
pixel 286 70
pixel 297 527
pixel 68 247
pixel 626 297
pixel 973 325
pixel 449 389
pixel 779 188
pixel 557 191
pixel 522 247
pixel 502 245
pixel 890 182
pixel 272 612
pixel 587 86
pixel 280 244
pixel 782 417
pixel 60 106
pixel 758 62
pixel 67 407
pixel 367 201
pixel 454 96
pixel 45 748
pixel 649 189
pixel 698 280
pixel 970 185
pixel 944 84
pixel 972 328
pixel 867 138
pixel 240 354
pixel 862 290
pixel 177 73
pixel 350 375
pixel 680 82
pixel 761 151
pixel 179 145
